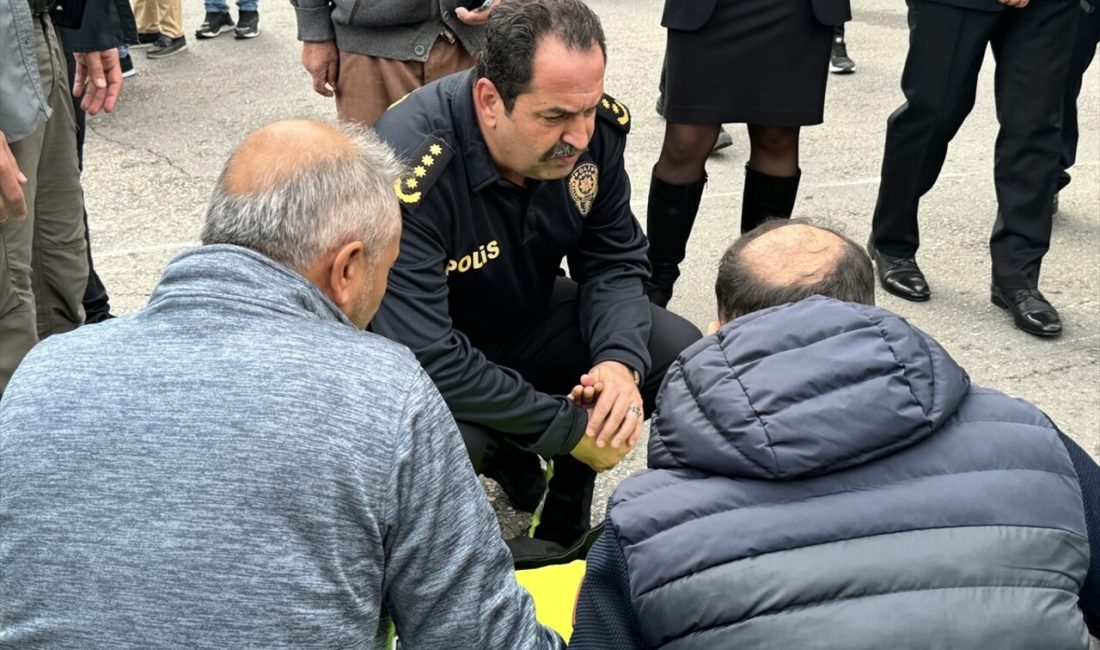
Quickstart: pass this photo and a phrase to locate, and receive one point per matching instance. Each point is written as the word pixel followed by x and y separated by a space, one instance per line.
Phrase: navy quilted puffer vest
pixel 824 476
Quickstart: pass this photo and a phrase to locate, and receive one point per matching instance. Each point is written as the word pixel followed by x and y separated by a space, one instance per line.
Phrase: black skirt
pixel 752 61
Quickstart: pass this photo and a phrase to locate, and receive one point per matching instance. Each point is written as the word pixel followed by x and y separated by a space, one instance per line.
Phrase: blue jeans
pixel 223 5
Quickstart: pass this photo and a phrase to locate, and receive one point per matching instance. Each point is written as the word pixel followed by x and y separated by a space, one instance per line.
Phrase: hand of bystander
pixel 98 80
pixel 477 16
pixel 12 202
pixel 322 60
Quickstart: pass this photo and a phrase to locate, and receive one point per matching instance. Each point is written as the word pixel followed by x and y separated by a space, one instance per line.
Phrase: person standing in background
pixel 370 55
pixel 163 18
pixel 218 20
pixel 97 306
pixel 43 258
pixel 774 55
pixel 1032 43
pixel 839 61
pixel 1084 49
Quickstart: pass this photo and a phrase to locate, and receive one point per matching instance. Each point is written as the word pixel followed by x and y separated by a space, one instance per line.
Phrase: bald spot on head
pixel 272 155
pixel 793 255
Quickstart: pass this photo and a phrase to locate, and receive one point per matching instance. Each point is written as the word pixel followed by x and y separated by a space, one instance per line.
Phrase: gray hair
pixel 296 218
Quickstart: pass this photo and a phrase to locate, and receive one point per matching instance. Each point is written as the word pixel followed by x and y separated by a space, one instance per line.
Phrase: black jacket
pixel 690 15
pixel 106 24
pixel 480 255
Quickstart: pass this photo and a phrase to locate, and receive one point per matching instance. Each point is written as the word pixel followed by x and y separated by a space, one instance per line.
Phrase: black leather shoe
pixel 1030 310
pixel 900 275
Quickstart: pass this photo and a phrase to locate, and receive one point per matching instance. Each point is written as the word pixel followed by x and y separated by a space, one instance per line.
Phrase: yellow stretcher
pixel 554 589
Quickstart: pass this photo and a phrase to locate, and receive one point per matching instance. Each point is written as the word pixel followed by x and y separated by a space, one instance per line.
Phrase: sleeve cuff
pixel 315 24
pixel 632 361
pixel 550 445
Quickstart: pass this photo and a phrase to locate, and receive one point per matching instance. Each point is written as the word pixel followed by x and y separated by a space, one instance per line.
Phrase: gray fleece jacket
pixel 237 466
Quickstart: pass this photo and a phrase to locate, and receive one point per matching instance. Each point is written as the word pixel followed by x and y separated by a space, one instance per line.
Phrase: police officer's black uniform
pixel 947 44
pixel 477 293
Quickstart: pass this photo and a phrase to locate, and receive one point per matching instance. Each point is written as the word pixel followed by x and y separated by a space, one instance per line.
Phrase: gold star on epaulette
pixel 615 112
pixel 432 156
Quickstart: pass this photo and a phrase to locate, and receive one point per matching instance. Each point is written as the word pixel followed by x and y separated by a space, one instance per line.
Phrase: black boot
pixel 567 513
pixel 671 213
pixel 519 475
pixel 767 197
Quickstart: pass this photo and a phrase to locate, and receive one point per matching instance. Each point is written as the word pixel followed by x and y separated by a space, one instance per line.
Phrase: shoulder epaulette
pixel 615 112
pixel 426 164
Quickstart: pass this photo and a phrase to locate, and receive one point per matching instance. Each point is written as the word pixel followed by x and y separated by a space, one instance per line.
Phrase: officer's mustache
pixel 561 150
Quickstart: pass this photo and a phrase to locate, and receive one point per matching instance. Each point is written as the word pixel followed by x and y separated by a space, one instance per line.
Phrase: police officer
pixel 515 166
pixel 1032 41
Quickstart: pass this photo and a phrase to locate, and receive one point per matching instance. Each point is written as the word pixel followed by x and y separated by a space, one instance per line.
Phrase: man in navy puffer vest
pixel 823 475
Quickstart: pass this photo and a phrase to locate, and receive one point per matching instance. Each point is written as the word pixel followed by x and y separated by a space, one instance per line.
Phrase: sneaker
pixel 127 65
pixel 248 25
pixel 839 63
pixel 724 140
pixel 146 40
pixel 215 24
pixel 167 47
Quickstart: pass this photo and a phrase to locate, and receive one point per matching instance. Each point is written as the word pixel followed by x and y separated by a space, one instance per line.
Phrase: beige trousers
pixel 43 257
pixel 367 85
pixel 159 16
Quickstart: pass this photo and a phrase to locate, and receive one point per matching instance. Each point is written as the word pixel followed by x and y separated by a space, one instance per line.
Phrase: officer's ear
pixel 488 102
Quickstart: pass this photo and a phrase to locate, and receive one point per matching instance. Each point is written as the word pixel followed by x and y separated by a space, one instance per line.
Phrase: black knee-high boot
pixel 766 197
pixel 671 213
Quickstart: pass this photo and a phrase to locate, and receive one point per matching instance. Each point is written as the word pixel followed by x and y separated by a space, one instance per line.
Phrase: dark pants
pixel 1084 49
pixel 96 303
pixel 551 354
pixel 1032 47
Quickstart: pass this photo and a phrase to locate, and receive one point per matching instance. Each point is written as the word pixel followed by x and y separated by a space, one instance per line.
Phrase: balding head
pixel 785 261
pixel 297 190
pixel 274 154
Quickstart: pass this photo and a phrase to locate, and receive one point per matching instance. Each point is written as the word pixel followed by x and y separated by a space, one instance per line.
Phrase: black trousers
pixel 551 354
pixel 1032 48
pixel 1084 50
pixel 96 302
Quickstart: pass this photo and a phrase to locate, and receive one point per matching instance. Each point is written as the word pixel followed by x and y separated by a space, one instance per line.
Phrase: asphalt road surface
pixel 151 164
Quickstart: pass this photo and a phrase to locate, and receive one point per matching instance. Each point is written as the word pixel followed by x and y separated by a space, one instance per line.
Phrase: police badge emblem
pixel 584 184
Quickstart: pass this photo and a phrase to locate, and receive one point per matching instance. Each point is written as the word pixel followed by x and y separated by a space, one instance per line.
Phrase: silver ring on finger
pixel 634 410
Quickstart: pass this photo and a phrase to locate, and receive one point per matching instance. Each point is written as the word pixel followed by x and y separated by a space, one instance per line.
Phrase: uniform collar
pixel 481 171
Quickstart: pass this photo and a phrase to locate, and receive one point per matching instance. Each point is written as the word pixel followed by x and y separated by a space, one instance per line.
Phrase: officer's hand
pixel 586 392
pixel 322 60
pixel 616 418
pixel 476 17
pixel 12 202
pixel 1019 4
pixel 98 80
pixel 598 458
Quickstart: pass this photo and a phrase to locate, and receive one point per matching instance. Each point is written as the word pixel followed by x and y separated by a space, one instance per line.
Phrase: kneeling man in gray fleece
pixel 238 464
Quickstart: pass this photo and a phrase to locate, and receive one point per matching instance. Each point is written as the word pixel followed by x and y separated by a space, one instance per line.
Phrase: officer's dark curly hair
pixel 515 29
pixel 742 288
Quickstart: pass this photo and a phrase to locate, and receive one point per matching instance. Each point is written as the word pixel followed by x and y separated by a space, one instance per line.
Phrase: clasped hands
pixel 614 405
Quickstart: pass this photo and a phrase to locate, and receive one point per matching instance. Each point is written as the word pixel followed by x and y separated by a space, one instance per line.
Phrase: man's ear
pixel 344 273
pixel 488 102
pixel 714 326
